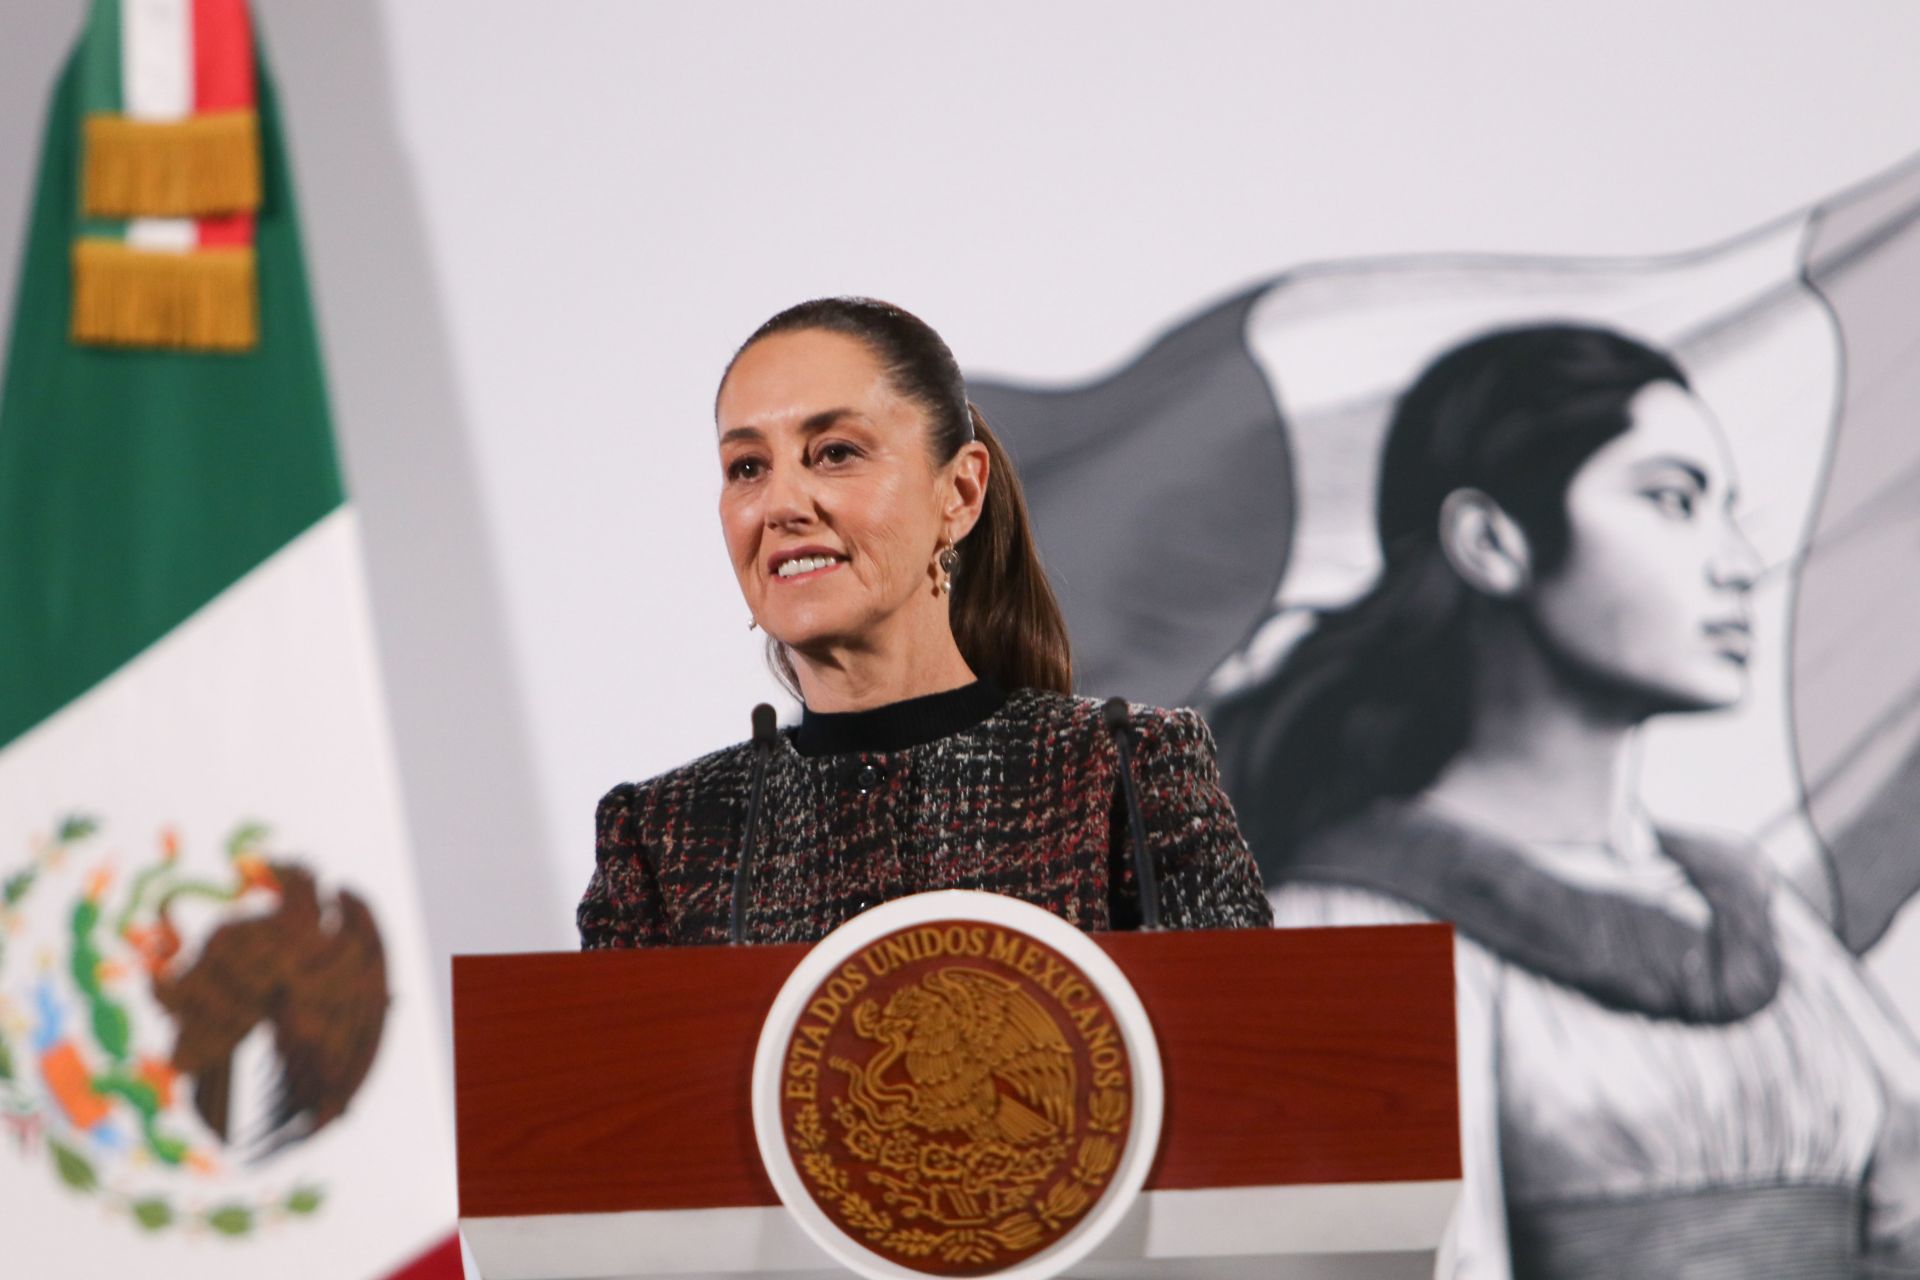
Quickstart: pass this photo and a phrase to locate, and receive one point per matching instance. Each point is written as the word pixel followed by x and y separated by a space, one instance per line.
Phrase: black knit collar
pixel 1622 953
pixel 911 722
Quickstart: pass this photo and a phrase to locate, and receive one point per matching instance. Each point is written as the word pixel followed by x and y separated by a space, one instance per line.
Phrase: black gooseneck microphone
pixel 1119 722
pixel 764 729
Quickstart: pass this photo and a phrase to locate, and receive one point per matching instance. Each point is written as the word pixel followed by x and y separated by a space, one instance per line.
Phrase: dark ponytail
pixel 1005 619
pixel 1378 698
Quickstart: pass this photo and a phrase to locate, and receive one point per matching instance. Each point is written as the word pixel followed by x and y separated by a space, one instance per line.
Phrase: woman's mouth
pixel 1733 639
pixel 791 568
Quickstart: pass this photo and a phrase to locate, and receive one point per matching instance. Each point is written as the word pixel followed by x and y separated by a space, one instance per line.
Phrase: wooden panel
pixel 1301 1055
pixel 605 1081
pixel 610 1080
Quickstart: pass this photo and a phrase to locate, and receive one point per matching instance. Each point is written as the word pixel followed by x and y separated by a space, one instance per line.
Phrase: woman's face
pixel 831 503
pixel 1651 599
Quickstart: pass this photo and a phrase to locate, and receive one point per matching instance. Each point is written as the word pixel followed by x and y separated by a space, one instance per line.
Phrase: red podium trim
pixel 1335 1046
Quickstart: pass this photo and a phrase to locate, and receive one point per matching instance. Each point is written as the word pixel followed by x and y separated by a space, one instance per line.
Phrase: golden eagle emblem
pixel 980 1057
pixel 957 1098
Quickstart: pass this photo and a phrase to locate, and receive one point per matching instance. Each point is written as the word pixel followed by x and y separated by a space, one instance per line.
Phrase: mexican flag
pixel 218 1044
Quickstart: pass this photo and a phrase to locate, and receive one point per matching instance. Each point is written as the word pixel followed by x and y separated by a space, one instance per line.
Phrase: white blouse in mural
pixel 1563 1099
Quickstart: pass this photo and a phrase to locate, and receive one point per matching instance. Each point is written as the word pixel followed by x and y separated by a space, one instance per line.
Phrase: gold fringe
pixel 202 300
pixel 197 167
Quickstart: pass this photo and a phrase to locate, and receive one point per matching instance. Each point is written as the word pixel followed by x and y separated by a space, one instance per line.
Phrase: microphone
pixel 763 737
pixel 1119 722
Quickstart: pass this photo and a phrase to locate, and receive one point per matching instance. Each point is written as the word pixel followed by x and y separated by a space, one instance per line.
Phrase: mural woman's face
pixel 1651 599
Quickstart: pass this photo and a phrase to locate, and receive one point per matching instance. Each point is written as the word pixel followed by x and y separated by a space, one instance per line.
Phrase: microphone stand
pixel 763 738
pixel 1119 722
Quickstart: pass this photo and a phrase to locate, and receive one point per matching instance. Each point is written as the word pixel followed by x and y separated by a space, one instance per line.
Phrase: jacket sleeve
pixel 621 907
pixel 1208 879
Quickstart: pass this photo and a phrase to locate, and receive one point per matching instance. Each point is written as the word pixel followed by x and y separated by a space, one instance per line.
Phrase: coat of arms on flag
pixel 177 1049
pixel 219 1054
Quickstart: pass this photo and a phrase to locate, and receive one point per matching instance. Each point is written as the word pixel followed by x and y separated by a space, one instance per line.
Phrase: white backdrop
pixel 537 231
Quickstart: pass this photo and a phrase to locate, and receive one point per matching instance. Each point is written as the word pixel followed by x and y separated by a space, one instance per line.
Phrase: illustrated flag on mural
pixel 1199 508
pixel 218 1049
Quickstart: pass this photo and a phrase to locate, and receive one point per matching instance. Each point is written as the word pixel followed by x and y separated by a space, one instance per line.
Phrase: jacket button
pixel 867 778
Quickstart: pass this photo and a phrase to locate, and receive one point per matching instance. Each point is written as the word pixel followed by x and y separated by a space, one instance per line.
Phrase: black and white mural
pixel 1572 602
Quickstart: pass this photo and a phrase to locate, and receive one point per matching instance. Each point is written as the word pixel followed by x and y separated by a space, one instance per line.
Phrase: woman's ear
pixel 966 489
pixel 1484 544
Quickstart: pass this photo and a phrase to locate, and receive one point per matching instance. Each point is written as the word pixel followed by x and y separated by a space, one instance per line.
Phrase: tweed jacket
pixel 1023 799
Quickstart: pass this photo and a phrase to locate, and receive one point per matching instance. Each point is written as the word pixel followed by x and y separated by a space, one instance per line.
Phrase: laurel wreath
pixel 1062 1202
pixel 27 1115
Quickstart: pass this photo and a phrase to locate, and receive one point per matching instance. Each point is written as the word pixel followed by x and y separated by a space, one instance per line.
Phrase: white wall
pixel 537 231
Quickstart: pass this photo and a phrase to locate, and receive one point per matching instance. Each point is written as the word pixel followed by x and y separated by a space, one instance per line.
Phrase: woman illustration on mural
pixel 1667 1062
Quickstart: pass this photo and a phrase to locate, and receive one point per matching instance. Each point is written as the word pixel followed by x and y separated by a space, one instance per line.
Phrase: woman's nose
pixel 1738 565
pixel 789 497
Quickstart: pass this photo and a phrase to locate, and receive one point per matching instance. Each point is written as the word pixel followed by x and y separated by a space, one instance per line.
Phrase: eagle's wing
pixel 215 1003
pixel 220 997
pixel 328 1029
pixel 230 987
pixel 1013 1038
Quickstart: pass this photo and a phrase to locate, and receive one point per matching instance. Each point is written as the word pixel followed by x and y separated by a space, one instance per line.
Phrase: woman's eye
pixel 743 468
pixel 836 453
pixel 1677 503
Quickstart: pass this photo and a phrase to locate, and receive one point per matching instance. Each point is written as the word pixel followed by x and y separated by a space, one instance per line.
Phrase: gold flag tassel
pixel 202 300
pixel 201 166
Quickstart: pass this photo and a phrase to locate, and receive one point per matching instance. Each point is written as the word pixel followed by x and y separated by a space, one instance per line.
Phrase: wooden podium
pixel 1311 1124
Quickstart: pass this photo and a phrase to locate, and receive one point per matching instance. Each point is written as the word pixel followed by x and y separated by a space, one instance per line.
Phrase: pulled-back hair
pixel 1378 698
pixel 1005 619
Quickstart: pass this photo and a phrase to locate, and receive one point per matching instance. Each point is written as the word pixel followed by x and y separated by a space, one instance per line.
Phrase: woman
pixel 1668 1066
pixel 879 538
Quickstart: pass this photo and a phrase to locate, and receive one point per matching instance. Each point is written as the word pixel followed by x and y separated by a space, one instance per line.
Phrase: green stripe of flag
pixel 100 83
pixel 137 485
pixel 102 92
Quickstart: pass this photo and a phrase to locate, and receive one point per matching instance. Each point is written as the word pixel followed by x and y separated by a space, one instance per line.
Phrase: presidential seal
pixel 957 1084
